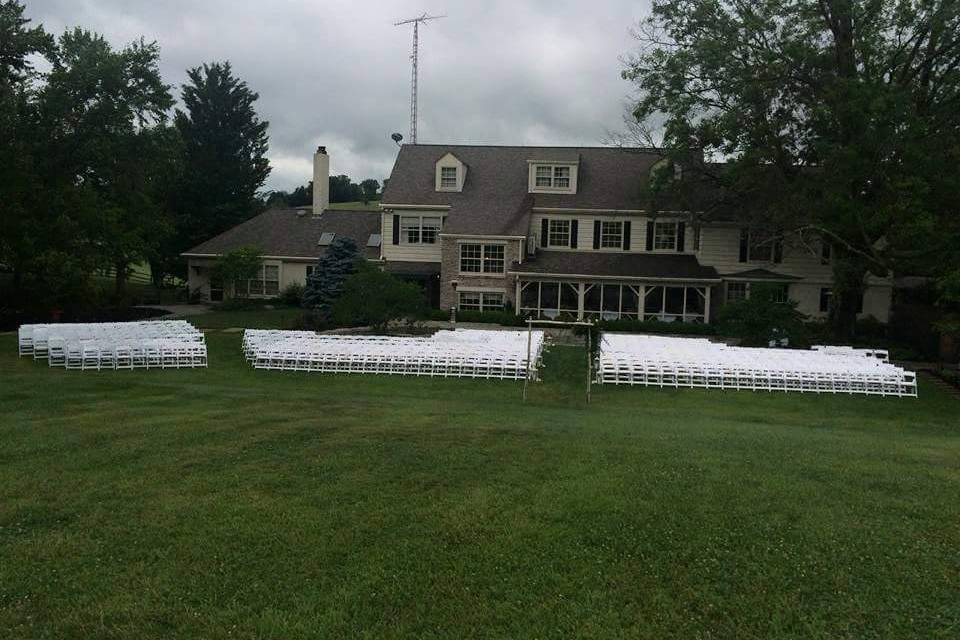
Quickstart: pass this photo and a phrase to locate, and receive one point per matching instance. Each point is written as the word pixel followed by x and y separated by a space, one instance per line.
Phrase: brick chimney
pixel 321 181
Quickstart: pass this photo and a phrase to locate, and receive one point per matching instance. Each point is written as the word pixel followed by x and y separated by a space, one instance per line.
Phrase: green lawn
pixel 232 503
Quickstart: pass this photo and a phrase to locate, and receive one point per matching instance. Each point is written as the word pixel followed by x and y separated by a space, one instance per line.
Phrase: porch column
pixel 516 303
pixel 706 309
pixel 580 296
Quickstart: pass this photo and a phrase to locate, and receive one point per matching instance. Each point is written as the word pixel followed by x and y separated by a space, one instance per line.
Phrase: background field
pixel 236 503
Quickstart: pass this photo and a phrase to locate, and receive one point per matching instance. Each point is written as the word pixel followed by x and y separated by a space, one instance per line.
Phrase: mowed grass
pixel 232 503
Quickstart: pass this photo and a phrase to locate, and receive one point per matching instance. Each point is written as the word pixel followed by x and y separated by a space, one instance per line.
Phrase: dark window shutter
pixel 596 234
pixel 744 236
pixel 626 236
pixel 396 229
pixel 778 250
pixel 544 233
pixel 681 236
pixel 573 234
pixel 650 236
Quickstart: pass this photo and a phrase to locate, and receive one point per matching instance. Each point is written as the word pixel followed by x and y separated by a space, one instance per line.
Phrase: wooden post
pixel 526 378
pixel 589 360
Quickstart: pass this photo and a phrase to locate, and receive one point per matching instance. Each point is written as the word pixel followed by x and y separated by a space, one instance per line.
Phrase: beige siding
pixel 876 300
pixel 638 231
pixel 293 273
pixel 409 252
pixel 198 277
pixel 720 248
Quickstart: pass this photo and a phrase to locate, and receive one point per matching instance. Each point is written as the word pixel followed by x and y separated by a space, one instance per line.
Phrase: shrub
pixel 759 321
pixel 239 264
pixel 374 297
pixel 292 296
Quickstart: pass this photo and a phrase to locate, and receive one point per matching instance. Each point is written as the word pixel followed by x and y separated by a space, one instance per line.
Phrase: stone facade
pixel 450 271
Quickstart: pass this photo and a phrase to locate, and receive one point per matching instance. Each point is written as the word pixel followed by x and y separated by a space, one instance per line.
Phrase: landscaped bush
pixel 374 297
pixel 507 317
pixel 654 326
pixel 292 296
pixel 759 320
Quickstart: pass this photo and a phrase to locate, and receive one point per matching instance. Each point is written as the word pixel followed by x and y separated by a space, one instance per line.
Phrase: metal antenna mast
pixel 413 74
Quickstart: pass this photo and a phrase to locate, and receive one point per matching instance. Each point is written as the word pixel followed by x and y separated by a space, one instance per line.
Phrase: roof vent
pixel 301 213
pixel 325 239
pixel 374 240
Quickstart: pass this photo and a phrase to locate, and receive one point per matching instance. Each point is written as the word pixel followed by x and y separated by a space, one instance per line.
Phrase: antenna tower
pixel 413 74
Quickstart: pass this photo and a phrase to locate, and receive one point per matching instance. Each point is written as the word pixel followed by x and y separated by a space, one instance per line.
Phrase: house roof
pixel 621 265
pixel 761 274
pixel 495 198
pixel 294 233
pixel 412 268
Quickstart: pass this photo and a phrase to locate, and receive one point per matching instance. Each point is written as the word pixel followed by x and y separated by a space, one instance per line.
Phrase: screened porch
pixel 586 300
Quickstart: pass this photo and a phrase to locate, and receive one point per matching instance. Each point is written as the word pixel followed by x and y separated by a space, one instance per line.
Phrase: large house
pixel 556 232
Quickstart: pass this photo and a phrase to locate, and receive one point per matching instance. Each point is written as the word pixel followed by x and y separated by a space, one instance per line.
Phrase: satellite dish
pixel 396 137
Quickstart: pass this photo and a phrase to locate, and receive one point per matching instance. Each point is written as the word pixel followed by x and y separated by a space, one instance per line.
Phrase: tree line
pixel 99 171
pixel 342 189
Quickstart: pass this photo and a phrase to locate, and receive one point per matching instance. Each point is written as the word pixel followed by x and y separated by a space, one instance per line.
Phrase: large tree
pixel 100 109
pixel 838 118
pixel 20 190
pixel 225 145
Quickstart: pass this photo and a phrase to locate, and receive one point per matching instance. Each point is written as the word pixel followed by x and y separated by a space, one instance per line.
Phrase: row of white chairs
pixel 34 339
pixel 96 355
pixel 115 345
pixel 461 353
pixel 838 350
pixel 685 362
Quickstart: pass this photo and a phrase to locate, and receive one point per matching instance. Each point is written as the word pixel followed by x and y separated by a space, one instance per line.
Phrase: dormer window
pixel 553 177
pixel 450 173
pixel 448 177
pixel 550 177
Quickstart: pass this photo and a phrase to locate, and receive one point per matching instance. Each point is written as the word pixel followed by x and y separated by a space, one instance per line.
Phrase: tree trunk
pixel 120 279
pixel 849 283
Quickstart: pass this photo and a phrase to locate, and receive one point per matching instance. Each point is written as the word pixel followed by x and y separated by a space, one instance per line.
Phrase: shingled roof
pixel 294 233
pixel 495 198
pixel 620 265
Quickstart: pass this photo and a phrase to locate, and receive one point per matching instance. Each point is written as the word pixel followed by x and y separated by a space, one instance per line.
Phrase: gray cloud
pixel 337 72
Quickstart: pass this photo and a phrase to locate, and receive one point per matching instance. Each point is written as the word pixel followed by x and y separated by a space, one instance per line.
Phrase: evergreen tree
pixel 326 283
pixel 224 145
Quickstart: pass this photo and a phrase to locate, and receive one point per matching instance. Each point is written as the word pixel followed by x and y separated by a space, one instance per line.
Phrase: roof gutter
pixel 429 207
pixel 581 276
pixel 217 255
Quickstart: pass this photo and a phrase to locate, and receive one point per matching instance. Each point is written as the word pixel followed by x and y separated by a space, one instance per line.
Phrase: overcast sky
pixel 337 72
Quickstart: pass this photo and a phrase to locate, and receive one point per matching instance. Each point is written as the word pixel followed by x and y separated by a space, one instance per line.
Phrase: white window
pixel 759 247
pixel 780 293
pixel 419 229
pixel 480 301
pixel 266 283
pixel 482 258
pixel 471 258
pixel 549 176
pixel 611 235
pixel 448 177
pixel 737 291
pixel 559 233
pixel 665 235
